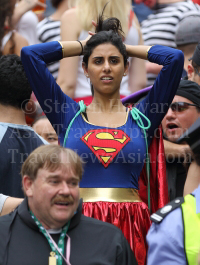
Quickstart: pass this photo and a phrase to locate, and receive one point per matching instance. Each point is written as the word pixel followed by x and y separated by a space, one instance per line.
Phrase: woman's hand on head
pixel 90 34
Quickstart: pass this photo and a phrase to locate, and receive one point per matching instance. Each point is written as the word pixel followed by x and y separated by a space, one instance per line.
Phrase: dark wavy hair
pixel 107 31
pixel 55 3
pixel 6 11
pixel 15 90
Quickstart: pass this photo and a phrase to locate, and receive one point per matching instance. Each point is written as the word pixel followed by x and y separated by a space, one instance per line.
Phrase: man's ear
pixel 85 69
pixel 190 72
pixel 27 184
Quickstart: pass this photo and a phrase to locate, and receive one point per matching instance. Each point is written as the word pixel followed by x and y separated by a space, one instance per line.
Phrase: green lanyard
pixel 61 241
pixel 136 114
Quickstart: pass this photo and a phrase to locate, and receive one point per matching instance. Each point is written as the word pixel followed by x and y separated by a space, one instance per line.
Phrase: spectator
pixel 174 235
pixel 194 67
pixel 50 218
pixel 193 175
pixel 160 27
pixel 25 20
pixel 187 36
pixel 17 140
pixel 49 30
pixel 105 133
pixel 141 10
pixel 43 127
pixel 183 112
pixel 75 24
pixel 11 42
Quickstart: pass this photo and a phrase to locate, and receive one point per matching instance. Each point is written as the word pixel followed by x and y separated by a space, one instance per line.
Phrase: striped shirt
pixel 160 27
pixel 49 30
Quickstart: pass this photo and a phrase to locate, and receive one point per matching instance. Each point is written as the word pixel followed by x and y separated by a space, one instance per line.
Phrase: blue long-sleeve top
pixel 114 156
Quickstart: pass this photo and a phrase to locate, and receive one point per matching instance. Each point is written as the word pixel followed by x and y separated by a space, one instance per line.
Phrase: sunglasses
pixel 181 106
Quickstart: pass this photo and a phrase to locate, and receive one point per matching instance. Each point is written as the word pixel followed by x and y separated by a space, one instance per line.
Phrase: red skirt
pixel 133 218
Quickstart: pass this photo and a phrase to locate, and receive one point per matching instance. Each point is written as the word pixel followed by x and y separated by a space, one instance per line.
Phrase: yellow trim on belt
pixel 109 195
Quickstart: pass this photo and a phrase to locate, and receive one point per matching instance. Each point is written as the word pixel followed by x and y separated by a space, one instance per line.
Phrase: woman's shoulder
pixel 70 14
pixel 70 22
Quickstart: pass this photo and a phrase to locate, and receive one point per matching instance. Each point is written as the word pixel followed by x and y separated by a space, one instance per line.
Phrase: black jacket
pixel 92 242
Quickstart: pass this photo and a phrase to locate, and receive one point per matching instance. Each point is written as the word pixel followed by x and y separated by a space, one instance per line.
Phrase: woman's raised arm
pixel 70 30
pixel 139 51
pixel 58 107
pixel 156 103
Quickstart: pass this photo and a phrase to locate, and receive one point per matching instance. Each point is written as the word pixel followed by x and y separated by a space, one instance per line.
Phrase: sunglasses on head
pixel 181 106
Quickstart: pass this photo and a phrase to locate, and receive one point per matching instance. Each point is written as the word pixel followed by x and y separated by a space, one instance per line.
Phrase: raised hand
pixel 32 3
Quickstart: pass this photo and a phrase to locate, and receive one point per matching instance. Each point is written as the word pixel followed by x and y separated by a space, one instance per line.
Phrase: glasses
pixel 181 106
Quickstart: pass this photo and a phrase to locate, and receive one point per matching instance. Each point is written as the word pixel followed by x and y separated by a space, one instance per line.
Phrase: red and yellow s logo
pixel 105 143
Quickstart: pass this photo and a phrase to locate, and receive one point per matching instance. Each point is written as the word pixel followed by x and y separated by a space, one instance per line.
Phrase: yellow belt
pixel 109 195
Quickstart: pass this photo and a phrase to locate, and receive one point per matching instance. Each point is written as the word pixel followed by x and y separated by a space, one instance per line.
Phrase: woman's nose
pixel 106 66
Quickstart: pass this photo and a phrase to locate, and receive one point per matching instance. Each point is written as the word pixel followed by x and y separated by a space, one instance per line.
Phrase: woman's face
pixel 105 69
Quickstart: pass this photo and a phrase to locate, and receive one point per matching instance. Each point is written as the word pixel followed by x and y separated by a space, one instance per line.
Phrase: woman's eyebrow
pixel 97 57
pixel 100 57
pixel 114 56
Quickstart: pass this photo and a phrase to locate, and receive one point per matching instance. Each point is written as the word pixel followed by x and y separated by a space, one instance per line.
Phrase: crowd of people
pixel 99 132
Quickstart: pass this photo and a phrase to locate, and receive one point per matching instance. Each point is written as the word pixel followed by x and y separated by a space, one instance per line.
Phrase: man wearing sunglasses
pixel 182 113
pixel 174 235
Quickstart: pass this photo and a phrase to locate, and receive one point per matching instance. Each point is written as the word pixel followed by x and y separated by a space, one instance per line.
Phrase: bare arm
pixel 139 51
pixel 23 7
pixel 137 77
pixel 19 42
pixel 193 179
pixel 70 30
pixel 173 150
pixel 153 68
pixel 10 204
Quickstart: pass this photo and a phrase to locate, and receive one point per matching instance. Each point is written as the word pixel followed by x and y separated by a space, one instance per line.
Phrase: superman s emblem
pixel 105 143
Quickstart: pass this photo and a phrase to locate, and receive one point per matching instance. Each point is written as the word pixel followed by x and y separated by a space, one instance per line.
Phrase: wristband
pixel 148 52
pixel 62 48
pixel 81 47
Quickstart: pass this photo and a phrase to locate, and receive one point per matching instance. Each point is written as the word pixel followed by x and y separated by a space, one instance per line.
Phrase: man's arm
pixel 8 204
pixel 193 179
pixel 165 241
pixel 173 150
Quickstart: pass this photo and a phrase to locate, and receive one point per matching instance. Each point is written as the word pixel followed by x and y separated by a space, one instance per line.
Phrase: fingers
pixel 91 33
pixel 94 23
